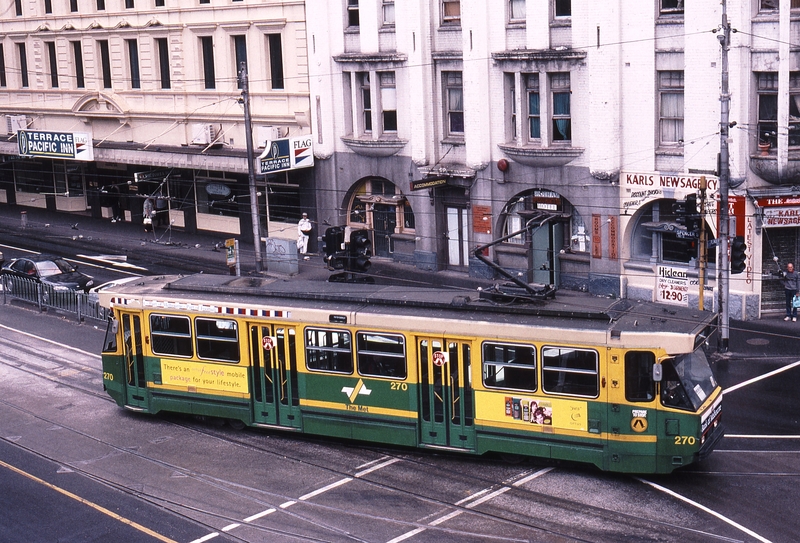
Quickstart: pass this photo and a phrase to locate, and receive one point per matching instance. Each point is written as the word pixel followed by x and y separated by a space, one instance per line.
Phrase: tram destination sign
pixel 60 145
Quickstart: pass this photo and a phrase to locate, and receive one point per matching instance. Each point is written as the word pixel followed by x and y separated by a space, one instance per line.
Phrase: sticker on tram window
pixel 685 440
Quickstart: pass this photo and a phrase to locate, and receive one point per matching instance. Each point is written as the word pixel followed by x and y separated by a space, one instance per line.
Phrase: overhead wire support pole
pixel 723 266
pixel 251 173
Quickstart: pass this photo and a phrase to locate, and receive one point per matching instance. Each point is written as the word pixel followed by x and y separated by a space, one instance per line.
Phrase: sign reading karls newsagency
pixel 61 145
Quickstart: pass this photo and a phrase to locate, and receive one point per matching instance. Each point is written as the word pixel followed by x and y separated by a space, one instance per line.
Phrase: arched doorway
pixel 378 205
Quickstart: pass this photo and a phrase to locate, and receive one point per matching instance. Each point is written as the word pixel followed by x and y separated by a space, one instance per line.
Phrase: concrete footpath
pixel 54 232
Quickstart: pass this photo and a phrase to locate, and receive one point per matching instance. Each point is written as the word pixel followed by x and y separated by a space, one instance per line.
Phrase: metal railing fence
pixel 83 305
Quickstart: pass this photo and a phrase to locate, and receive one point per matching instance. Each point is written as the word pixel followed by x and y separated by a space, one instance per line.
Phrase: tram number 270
pixel 685 440
pixel 108 376
pixel 399 386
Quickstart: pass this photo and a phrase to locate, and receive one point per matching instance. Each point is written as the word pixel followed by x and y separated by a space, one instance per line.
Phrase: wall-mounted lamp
pixel 502 165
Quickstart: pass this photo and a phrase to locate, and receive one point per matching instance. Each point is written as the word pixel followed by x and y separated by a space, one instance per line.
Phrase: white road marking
pixel 761 377
pixel 56 343
pixel 472 501
pixel 705 509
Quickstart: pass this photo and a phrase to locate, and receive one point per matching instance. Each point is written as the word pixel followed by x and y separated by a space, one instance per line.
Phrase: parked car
pixel 48 270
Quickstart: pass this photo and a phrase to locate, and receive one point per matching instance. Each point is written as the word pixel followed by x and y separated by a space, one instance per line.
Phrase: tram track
pixel 61 372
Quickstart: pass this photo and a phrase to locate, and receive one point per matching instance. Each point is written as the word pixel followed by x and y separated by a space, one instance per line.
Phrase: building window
pixel 129 4
pixel 454 103
pixel 451 12
pixel 516 11
pixel 159 3
pixel 534 119
pixel 23 65
pixel 240 55
pixel 105 63
pixel 133 62
pixel 48 6
pixel 366 101
pixel 670 111
pixel 275 61
pixel 163 62
pixel 207 47
pixel 771 5
pixel 205 1
pixel 562 123
pixel 51 56
pixel 18 7
pixel 562 8
pixel 352 14
pixel 388 101
pixel 77 57
pixel 654 237
pixel 73 6
pixel 388 12
pixel 672 7
pixel 101 5
pixel 768 105
pixel 3 82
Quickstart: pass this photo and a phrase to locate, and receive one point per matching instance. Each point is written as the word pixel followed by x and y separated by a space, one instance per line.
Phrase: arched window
pixel 657 237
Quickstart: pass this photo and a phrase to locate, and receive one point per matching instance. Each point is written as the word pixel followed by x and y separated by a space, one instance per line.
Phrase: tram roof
pixel 569 310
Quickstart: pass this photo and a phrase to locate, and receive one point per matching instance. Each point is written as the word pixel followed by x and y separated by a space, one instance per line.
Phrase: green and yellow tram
pixel 620 384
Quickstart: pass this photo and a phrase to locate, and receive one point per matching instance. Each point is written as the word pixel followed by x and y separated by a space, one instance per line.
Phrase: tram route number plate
pixel 439 358
pixel 269 342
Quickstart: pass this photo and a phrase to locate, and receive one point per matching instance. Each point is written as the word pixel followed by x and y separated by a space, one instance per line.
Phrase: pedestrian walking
pixel 791 288
pixel 303 232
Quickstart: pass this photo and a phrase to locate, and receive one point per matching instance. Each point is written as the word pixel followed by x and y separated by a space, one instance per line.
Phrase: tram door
pixel 447 412
pixel 135 380
pixel 273 353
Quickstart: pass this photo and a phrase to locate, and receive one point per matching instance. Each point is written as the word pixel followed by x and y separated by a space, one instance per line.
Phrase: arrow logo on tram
pixel 353 392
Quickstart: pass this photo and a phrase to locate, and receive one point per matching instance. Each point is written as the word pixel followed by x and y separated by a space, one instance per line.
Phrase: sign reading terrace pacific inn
pixel 62 145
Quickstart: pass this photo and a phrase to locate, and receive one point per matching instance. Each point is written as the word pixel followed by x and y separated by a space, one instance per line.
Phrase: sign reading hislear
pixel 63 145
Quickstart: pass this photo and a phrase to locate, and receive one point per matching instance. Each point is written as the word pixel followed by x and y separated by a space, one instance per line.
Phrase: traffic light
pixel 738 256
pixel 688 213
pixel 360 251
pixel 333 246
pixel 691 248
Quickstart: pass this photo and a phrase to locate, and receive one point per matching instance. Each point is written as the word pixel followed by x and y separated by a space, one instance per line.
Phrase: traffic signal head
pixel 688 213
pixel 738 256
pixel 333 246
pixel 360 251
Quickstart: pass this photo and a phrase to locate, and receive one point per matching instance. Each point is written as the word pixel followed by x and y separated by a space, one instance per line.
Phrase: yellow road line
pixel 103 510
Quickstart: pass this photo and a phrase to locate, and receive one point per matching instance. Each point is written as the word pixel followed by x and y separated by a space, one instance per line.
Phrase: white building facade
pixel 153 89
pixel 441 126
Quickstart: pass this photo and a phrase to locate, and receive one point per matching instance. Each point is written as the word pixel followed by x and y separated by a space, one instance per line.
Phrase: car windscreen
pixel 53 267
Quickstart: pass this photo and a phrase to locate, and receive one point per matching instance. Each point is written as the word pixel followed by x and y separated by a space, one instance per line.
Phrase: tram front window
pixel 687 381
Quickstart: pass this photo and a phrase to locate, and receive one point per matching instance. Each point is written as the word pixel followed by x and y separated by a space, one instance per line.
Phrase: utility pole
pixel 701 249
pixel 723 263
pixel 251 173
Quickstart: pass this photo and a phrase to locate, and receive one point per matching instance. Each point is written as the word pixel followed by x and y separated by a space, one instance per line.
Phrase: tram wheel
pixel 509 458
pixel 236 424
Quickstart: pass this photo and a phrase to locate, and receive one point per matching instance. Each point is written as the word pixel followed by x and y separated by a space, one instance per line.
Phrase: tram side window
pixel 570 371
pixel 217 339
pixel 509 366
pixel 381 355
pixel 639 384
pixel 329 350
pixel 171 335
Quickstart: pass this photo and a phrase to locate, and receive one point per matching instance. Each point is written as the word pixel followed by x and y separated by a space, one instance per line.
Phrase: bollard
pixel 23 215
